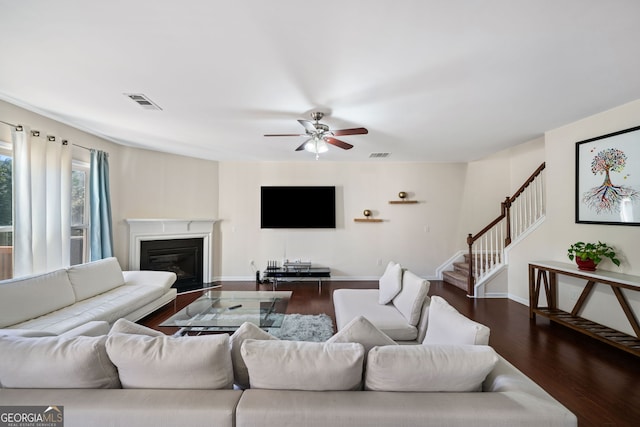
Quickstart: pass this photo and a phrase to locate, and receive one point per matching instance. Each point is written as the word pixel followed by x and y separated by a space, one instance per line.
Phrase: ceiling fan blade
pixel 301 147
pixel 338 143
pixel 354 131
pixel 309 126
pixel 286 134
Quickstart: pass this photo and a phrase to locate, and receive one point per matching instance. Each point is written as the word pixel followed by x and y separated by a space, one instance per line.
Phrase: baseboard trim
pixel 496 295
pixel 523 301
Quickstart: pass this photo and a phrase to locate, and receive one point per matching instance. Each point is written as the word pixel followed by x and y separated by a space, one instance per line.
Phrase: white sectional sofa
pixel 402 310
pixel 136 376
pixel 59 301
pixel 399 308
pixel 143 378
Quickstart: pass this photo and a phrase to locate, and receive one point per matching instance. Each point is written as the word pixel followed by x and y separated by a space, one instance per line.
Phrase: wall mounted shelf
pixel 367 220
pixel 402 202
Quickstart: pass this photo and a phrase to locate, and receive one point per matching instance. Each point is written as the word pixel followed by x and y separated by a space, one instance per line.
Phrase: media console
pixel 294 273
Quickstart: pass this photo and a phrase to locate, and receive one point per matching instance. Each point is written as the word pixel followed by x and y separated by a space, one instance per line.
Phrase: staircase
pixel 486 249
pixel 459 276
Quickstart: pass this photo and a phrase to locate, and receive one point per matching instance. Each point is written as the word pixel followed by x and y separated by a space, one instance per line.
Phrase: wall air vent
pixel 143 101
pixel 378 155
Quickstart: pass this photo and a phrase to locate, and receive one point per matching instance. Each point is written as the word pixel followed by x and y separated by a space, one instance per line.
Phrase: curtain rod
pixel 86 148
pixel 37 133
pixel 80 146
pixel 18 127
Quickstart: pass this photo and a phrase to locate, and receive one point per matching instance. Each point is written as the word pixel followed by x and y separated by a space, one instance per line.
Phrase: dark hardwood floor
pixel 597 382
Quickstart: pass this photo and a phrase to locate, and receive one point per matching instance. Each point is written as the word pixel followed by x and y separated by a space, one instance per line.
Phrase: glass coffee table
pixel 226 311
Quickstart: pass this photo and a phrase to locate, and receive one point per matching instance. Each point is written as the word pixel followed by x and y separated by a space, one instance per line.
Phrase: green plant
pixel 592 251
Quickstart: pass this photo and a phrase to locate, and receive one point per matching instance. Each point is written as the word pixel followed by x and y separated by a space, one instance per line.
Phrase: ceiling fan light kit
pixel 316 146
pixel 320 135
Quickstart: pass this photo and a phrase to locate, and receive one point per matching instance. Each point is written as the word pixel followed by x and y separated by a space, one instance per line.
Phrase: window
pixel 6 212
pixel 79 213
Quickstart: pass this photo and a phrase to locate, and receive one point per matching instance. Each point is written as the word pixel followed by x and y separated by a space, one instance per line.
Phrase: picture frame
pixel 608 179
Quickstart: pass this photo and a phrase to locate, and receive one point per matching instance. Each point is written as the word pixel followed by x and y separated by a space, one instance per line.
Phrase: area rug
pixel 304 327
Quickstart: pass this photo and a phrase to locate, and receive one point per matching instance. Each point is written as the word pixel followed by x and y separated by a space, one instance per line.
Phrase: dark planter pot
pixel 586 264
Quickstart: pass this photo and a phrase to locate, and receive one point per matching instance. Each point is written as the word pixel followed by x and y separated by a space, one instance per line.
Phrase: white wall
pixel 551 241
pixel 353 250
pixel 490 180
pixel 144 184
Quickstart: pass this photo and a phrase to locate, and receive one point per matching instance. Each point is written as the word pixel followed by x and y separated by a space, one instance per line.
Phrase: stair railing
pixel 517 214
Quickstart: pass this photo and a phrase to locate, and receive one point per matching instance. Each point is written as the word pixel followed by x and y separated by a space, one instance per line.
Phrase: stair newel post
pixel 506 211
pixel 470 277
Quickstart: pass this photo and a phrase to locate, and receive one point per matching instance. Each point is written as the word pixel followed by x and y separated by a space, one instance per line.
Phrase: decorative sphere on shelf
pixel 402 195
pixel 367 213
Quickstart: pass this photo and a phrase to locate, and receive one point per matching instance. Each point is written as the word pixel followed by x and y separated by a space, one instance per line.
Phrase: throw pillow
pixel 390 283
pixel 412 296
pixel 56 362
pixel 362 331
pixel 418 368
pixel 198 362
pixel 447 326
pixel 246 331
pixel 299 365
pixel 124 326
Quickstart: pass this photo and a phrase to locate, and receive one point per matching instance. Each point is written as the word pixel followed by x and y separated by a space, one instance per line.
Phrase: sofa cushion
pixel 351 303
pixel 448 326
pixel 95 277
pixel 361 331
pixel 412 296
pixel 124 326
pixel 246 331
pixel 109 306
pixel 95 328
pixel 56 362
pixel 297 365
pixel 420 368
pixel 390 284
pixel 26 298
pixel 198 362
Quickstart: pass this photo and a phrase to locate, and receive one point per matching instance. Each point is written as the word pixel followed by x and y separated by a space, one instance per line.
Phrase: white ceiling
pixel 432 80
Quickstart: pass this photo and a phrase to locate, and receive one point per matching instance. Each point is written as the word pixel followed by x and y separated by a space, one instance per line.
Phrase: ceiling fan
pixel 319 135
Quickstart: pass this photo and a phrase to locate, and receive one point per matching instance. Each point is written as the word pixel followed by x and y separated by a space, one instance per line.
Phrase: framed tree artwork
pixel 608 179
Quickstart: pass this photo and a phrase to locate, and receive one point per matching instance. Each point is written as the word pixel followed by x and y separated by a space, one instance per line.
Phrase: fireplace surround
pixel 176 245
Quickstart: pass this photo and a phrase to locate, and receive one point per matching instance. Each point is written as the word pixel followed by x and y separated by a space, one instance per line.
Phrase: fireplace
pixel 184 246
pixel 180 256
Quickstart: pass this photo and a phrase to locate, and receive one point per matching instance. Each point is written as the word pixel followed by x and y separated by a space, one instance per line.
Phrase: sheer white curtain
pixel 42 194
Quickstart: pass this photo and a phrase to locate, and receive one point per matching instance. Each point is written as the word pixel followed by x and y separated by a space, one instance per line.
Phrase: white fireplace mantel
pixel 166 229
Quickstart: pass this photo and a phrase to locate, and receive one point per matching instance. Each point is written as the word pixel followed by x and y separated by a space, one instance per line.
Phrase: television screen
pixel 298 207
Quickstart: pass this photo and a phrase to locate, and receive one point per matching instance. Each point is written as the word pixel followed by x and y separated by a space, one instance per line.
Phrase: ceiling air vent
pixel 143 101
pixel 378 155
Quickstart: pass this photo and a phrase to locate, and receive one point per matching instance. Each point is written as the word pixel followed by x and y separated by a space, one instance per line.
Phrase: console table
pixel 544 274
pixel 297 274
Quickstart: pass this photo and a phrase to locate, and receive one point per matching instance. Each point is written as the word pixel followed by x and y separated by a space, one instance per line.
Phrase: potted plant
pixel 588 255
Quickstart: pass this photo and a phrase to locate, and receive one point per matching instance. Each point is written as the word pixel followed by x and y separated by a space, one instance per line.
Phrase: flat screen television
pixel 298 207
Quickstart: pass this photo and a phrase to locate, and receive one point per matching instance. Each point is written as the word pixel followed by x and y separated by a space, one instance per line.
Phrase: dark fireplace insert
pixel 181 256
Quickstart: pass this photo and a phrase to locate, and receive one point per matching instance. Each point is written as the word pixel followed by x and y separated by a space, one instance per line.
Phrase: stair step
pixel 456 279
pixel 461 267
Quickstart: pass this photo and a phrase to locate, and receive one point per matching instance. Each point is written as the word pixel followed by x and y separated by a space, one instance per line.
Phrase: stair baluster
pixel 518 214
